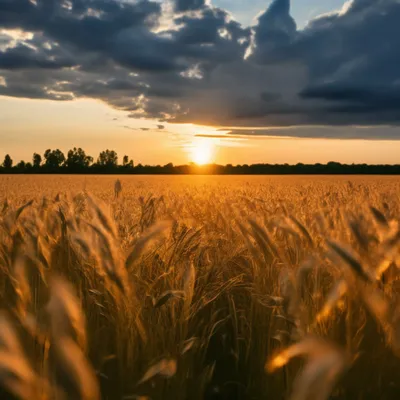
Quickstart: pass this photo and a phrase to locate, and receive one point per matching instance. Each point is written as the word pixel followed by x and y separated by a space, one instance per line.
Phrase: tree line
pixel 78 162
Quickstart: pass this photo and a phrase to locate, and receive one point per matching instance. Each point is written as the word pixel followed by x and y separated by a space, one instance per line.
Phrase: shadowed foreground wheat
pixel 247 291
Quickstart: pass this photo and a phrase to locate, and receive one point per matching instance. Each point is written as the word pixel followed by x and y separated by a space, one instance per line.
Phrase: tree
pixel 54 158
pixel 127 163
pixel 8 162
pixel 77 159
pixel 37 160
pixel 21 165
pixel 108 158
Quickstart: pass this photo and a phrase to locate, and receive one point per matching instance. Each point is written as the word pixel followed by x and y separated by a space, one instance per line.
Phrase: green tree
pixel 37 160
pixel 54 158
pixel 8 162
pixel 77 159
pixel 108 158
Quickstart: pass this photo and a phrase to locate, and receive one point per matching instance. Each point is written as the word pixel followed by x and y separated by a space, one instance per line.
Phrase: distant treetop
pixel 78 162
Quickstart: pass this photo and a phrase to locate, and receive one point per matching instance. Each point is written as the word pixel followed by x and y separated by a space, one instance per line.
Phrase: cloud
pixel 136 129
pixel 212 136
pixel 205 68
pixel 161 127
pixel 382 132
pixel 275 32
pixel 189 5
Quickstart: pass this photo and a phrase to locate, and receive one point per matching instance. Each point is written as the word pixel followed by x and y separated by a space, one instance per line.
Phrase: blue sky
pixel 302 10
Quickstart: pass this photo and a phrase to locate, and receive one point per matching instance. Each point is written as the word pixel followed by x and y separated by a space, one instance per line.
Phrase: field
pixel 195 287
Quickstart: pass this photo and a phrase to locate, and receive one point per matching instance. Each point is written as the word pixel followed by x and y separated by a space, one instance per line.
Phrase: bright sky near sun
pixel 28 125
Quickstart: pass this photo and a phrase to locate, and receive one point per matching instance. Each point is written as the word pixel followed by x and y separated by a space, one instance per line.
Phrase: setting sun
pixel 202 151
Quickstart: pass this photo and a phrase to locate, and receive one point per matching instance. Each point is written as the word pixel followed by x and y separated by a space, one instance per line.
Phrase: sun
pixel 202 151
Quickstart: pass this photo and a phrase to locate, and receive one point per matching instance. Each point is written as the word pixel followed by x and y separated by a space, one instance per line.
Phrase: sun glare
pixel 202 151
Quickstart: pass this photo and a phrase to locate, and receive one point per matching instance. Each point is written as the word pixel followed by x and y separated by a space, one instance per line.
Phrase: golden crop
pixel 195 287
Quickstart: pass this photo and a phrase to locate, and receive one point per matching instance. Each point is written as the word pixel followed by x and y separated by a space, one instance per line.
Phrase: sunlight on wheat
pixel 199 288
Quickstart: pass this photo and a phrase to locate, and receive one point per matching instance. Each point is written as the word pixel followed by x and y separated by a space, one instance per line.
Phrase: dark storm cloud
pixel 357 99
pixel 275 31
pixel 382 132
pixel 24 57
pixel 206 68
pixel 189 5
pixel 116 29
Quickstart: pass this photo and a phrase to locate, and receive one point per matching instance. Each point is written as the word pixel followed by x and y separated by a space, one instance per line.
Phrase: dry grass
pixel 199 288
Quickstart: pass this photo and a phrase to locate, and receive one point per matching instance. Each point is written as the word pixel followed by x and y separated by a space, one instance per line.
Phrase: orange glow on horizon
pixel 201 151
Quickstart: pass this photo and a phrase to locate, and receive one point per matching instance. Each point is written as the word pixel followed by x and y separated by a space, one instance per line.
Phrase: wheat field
pixel 199 287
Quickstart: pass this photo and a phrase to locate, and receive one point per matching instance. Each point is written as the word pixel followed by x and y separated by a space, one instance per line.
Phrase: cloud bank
pixel 204 67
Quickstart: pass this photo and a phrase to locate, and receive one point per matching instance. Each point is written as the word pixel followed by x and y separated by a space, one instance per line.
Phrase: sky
pixel 246 11
pixel 225 81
